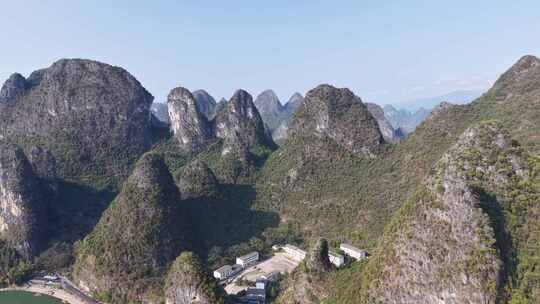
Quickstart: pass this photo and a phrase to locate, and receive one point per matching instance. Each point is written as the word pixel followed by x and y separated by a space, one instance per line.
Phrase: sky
pixel 387 52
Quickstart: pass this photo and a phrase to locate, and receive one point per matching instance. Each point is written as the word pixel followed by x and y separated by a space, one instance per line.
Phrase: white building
pixel 248 259
pixel 294 252
pixel 256 295
pixel 223 272
pixel 353 252
pixel 270 277
pixel 336 258
pixel 51 277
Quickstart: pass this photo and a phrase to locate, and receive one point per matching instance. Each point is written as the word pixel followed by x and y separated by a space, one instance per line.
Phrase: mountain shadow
pixel 227 220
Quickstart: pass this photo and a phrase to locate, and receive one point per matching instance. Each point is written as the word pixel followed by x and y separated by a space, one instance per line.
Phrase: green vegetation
pixel 188 274
pixel 137 236
pixel 13 268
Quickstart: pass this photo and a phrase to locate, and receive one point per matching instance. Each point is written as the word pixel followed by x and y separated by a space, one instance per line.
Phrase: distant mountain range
pixel 411 113
pixel 455 97
pixel 404 119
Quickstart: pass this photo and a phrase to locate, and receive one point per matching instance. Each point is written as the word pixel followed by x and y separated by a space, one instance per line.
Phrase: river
pixel 21 297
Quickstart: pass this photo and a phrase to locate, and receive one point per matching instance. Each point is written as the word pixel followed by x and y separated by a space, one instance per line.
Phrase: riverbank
pixel 54 292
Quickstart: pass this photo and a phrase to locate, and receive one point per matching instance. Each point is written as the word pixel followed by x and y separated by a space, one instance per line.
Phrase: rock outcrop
pixel 339 115
pixel 443 106
pixel 521 78
pixel 196 180
pixel 190 128
pixel 206 104
pixel 83 111
pixel 188 283
pixel 237 131
pixel 447 244
pixel 386 128
pixel 138 235
pixel 239 123
pixel 13 88
pixel 280 133
pixel 21 202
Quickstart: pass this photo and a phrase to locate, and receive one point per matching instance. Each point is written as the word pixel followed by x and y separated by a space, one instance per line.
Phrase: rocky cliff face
pixel 339 115
pixel 144 228
pixel 83 111
pixel 13 88
pixel 239 124
pixel 447 244
pixel 386 128
pixel 237 132
pixel 206 104
pixel 187 283
pixel 196 180
pixel 190 128
pixel 21 202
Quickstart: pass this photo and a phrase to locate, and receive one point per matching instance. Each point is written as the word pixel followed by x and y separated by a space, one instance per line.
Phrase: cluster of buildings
pixel 242 262
pixel 337 259
pixel 257 294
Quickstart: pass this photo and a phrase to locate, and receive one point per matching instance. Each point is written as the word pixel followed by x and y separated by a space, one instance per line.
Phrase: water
pixel 21 297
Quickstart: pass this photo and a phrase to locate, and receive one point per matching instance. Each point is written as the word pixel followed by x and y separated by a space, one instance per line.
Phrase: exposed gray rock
pixel 385 126
pixel 520 79
pixel 21 202
pixel 445 249
pixel 443 106
pixel 339 115
pixel 190 127
pixel 14 87
pixel 239 124
pixel 206 104
pixel 83 111
pixel 187 283
pixel 280 133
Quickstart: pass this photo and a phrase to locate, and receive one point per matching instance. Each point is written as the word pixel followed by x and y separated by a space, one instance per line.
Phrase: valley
pixel 136 208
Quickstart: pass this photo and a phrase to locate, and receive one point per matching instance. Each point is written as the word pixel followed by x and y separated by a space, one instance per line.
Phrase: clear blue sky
pixel 385 51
